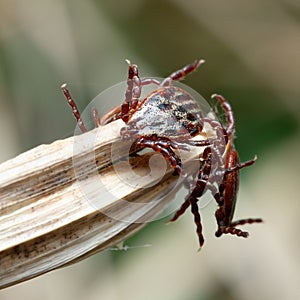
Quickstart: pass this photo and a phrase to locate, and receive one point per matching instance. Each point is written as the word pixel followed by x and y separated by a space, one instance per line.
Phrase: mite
pixel 167 120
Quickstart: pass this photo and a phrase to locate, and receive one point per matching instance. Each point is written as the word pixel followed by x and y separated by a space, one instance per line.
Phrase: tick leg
pixel 195 211
pixel 200 143
pixel 246 221
pixel 133 77
pixel 221 139
pixel 229 114
pixel 95 116
pixel 235 231
pixel 165 148
pixel 196 191
pixel 111 115
pixel 197 220
pixel 132 93
pixel 147 81
pixel 231 230
pixel 181 210
pixel 73 105
pixel 181 73
pixel 241 165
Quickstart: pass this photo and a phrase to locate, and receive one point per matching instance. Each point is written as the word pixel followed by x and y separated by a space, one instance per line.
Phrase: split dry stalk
pixel 60 203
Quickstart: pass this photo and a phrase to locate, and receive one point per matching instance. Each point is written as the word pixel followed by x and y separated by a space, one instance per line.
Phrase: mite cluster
pixel 167 120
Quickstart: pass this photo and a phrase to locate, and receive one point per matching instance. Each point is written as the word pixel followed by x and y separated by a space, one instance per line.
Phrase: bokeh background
pixel 252 50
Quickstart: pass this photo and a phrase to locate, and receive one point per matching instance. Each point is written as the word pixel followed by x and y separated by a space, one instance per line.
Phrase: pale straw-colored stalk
pixel 47 215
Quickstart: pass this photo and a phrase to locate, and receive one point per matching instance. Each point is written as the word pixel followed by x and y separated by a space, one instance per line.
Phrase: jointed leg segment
pixel 73 105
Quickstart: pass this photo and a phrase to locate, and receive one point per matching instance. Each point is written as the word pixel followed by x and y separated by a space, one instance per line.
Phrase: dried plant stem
pixel 47 215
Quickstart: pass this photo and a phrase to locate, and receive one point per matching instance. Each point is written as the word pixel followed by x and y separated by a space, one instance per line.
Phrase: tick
pixel 167 120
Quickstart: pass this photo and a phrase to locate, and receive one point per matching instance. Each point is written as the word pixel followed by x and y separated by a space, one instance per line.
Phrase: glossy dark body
pixel 229 190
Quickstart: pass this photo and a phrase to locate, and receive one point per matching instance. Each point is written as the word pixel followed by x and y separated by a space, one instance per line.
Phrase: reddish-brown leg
pixel 181 73
pixel 147 81
pixel 132 92
pixel 191 201
pixel 231 230
pixel 95 116
pixel 241 165
pixel 197 220
pixel 235 231
pixel 165 148
pixel 219 142
pixel 227 192
pixel 229 114
pixel 73 105
pixel 184 206
pixel 246 221
pixel 196 191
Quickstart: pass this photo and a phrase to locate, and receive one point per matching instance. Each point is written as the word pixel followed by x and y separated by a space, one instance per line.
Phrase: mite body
pixel 168 112
pixel 168 119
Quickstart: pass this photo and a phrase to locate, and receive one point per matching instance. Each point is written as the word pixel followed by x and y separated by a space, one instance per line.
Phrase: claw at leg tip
pixel 214 96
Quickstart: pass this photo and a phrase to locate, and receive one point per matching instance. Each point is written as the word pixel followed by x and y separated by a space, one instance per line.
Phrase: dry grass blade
pixel 62 202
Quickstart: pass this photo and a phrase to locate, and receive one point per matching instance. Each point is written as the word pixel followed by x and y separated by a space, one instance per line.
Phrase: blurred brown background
pixel 252 50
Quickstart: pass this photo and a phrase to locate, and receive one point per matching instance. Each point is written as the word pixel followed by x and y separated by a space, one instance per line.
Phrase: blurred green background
pixel 252 52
